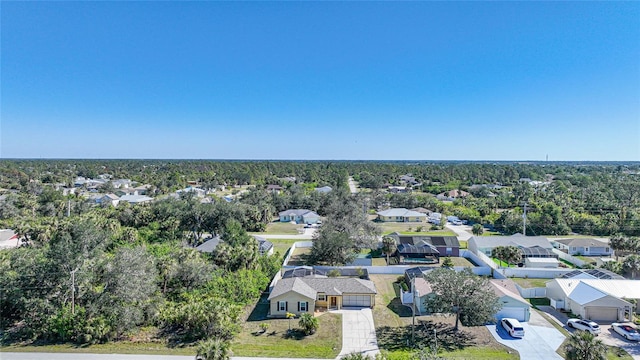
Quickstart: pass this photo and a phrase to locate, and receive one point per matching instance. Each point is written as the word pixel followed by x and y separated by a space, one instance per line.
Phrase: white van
pixel 513 327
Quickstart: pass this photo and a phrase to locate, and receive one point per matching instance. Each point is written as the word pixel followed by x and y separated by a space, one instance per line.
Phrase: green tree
pixel 618 242
pixel 447 263
pixel 632 265
pixel 508 254
pixel 467 295
pixel 477 229
pixel 308 323
pixel 388 246
pixel 582 345
pixel 214 349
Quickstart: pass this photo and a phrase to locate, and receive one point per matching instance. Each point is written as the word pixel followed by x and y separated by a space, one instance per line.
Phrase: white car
pixel 513 327
pixel 584 325
pixel 627 331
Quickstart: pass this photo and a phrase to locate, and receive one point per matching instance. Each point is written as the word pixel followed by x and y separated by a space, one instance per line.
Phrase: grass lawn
pixel 393 329
pixel 379 261
pixel 120 347
pixel 325 343
pixel 491 233
pixel 282 245
pixel 463 244
pixel 389 227
pixel 530 283
pixel 298 258
pixel 502 263
pixel 279 228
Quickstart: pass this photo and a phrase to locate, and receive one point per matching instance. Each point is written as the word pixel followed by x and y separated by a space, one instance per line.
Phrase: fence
pixel 527 293
pixel 572 259
pixel 534 273
pixel 297 244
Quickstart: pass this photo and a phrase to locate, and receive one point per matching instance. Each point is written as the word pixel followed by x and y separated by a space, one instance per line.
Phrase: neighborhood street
pixel 352 185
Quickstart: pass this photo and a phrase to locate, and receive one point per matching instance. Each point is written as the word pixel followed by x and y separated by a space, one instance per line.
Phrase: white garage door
pixel 602 313
pixel 356 300
pixel 517 313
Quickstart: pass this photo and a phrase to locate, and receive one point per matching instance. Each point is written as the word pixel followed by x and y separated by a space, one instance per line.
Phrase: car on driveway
pixel 584 325
pixel 513 327
pixel 627 331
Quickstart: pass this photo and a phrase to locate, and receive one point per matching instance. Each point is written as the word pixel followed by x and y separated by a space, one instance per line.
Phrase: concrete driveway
pixel 607 335
pixel 358 332
pixel 541 339
pixel 462 231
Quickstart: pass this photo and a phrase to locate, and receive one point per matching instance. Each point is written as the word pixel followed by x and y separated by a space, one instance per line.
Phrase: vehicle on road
pixel 626 331
pixel 584 325
pixel 513 327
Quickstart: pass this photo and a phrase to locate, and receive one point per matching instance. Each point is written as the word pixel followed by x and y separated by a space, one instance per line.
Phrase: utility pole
pixel 69 208
pixel 73 292
pixel 413 308
pixel 524 220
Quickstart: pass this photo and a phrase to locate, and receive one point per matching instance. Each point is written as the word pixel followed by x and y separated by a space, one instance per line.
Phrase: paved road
pixel 541 339
pixel 352 185
pixel 462 231
pixel 76 356
pixel 358 332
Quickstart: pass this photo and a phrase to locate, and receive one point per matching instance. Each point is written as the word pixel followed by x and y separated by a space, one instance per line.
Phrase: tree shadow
pixel 260 310
pixel 399 338
pixel 295 334
pixel 399 309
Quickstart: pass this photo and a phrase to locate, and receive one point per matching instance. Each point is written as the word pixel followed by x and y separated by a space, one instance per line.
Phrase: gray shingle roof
pixel 297 212
pixel 293 284
pixel 401 212
pixel 517 240
pixel 309 287
pixel 209 246
pixel 583 242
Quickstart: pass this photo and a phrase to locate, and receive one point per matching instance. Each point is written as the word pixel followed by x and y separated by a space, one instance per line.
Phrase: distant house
pixel 446 245
pixel 400 215
pixel 209 245
pixel 452 195
pixel 324 189
pixel 586 247
pixel 398 189
pixel 274 188
pixel 423 253
pixel 422 210
pixel 531 246
pixel 8 239
pixel 121 183
pixel 513 304
pixel 136 199
pixel 408 179
pixel 300 295
pixel 299 216
pixel 265 247
pixel 190 190
pixel 110 199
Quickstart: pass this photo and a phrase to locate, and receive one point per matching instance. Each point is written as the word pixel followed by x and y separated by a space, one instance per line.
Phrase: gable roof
pixel 310 286
pixel 583 242
pixel 7 234
pixel 592 274
pixel 417 272
pixel 402 212
pixel 508 288
pixel 442 241
pixel 210 245
pixel 297 212
pixel 517 240
pixel 135 198
pixel 584 291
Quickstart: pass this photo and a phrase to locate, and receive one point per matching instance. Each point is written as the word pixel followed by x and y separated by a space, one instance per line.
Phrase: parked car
pixel 627 331
pixel 513 327
pixel 584 325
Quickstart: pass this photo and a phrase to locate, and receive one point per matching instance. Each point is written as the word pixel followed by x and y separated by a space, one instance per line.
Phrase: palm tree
pixel 582 345
pixel 632 264
pixel 214 349
pixel 617 243
pixel 388 246
pixel 508 254
pixel 308 323
pixel 477 229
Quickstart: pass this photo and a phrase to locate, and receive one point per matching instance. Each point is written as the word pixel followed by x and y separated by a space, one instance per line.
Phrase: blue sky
pixel 325 80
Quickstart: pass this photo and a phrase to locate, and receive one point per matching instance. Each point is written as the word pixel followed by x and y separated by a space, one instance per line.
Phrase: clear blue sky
pixel 336 80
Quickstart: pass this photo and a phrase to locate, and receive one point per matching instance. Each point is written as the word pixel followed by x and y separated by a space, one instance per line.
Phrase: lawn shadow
pixel 399 338
pixel 260 310
pixel 398 308
pixel 295 334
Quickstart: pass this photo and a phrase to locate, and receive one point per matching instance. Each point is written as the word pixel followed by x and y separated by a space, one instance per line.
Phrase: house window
pixel 606 249
pixel 282 306
pixel 303 306
pixel 322 297
pixel 449 251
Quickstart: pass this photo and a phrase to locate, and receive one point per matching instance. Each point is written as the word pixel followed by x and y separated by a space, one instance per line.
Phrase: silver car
pixel 626 331
pixel 584 325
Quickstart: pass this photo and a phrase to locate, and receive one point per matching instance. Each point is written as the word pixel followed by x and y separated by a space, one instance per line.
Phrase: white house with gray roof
pixel 400 215
pixel 584 246
pixel 298 295
pixel 485 244
pixel 299 216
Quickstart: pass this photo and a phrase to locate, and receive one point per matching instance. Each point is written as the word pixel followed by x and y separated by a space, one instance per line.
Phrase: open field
pixel 279 228
pixel 393 329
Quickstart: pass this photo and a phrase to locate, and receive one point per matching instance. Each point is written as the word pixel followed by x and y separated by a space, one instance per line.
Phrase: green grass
pixel 539 301
pixel 502 263
pixel 530 283
pixel 491 233
pixel 324 344
pixel 282 245
pixel 463 244
pixel 120 347
pixel 481 352
pixel 298 258
pixel 279 228
pixel 379 261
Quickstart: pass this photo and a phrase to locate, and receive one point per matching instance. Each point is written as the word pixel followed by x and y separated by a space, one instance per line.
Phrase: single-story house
pixel 452 195
pixel 531 246
pixel 422 253
pixel 299 216
pixel 422 210
pixel 400 215
pixel 324 189
pixel 109 199
pixel 9 239
pixel 274 188
pixel 265 247
pixel 310 271
pixel 136 199
pixel 197 192
pixel 595 299
pixel 209 245
pixel 446 245
pixel 513 304
pixel 419 290
pixel 398 189
pixel 586 247
pixel 298 295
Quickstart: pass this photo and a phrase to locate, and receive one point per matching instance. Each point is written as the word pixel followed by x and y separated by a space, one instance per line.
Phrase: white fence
pixel 297 244
pixel 572 259
pixel 534 273
pixel 527 293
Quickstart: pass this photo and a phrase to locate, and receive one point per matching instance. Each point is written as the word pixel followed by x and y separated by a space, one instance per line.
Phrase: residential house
pixel 274 188
pixel 209 245
pixel 595 299
pixel 531 246
pixel 121 183
pixel 422 210
pixel 409 180
pixel 423 253
pixel 400 215
pixel 9 239
pixel 324 189
pixel 398 189
pixel 513 304
pixel 265 247
pixel 110 200
pixel 419 290
pixel 310 271
pixel 299 216
pixel 136 199
pixel 300 295
pixel 190 190
pixel 452 195
pixel 446 245
pixel 586 247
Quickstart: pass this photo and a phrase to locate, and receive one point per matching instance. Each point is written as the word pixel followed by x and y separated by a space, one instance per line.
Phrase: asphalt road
pixel 75 356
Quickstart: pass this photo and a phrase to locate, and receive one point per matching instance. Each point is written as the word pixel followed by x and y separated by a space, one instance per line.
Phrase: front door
pixel 334 302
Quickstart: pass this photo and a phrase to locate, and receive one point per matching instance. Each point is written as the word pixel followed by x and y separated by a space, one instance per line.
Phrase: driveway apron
pixel 358 332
